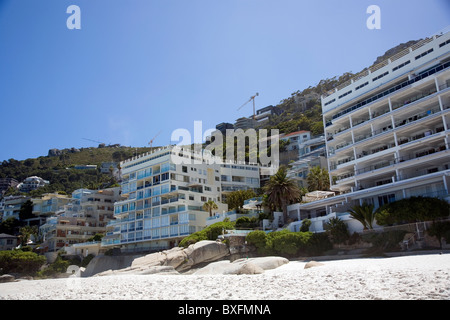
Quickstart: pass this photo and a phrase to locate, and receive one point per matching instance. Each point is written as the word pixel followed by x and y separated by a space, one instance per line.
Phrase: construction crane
pixel 251 98
pixel 93 140
pixel 151 141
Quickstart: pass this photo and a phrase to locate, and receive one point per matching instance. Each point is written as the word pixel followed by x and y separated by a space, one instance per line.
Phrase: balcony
pixel 393 89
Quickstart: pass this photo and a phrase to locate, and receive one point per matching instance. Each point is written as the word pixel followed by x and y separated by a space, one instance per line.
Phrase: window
pixel 331 101
pixel 362 85
pixel 184 229
pixel 156 200
pixel 165 167
pixel 380 76
pixel 155 233
pixel 165 176
pixel 424 54
pixel 401 65
pixel 343 95
pixel 165 232
pixel 203 199
pixel 184 169
pixel 444 43
pixel 386 199
pixel 165 188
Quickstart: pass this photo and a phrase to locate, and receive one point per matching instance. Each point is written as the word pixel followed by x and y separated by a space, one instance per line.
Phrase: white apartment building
pixel 164 199
pixel 86 215
pixel 388 130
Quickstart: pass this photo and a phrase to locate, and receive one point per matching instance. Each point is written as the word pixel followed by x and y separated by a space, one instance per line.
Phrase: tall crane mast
pixel 251 98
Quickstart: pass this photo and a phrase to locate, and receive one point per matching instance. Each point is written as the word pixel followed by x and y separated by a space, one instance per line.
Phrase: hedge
pixel 287 243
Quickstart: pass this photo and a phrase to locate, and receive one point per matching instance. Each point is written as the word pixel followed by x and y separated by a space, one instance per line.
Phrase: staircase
pixel 415 240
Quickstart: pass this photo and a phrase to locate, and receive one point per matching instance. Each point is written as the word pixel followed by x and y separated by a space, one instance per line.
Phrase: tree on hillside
pixel 282 190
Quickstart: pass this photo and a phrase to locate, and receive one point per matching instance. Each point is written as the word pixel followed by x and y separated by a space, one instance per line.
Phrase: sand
pixel 400 278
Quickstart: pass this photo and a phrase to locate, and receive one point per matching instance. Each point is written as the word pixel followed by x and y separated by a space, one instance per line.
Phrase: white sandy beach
pixel 407 277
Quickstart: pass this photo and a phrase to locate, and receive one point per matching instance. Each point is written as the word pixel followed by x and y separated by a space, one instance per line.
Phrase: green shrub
pixel 337 230
pixel 86 260
pixel 306 223
pixel 287 243
pixel 246 223
pixel 384 241
pixel 209 233
pixel 258 239
pixel 193 238
pixel 318 244
pixel 412 210
pixel 440 229
pixel 17 261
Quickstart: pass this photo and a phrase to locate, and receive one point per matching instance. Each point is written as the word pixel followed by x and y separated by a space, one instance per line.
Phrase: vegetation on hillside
pixel 60 169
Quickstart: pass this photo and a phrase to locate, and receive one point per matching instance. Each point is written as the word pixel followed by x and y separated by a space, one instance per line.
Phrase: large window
pixel 387 198
pixel 165 167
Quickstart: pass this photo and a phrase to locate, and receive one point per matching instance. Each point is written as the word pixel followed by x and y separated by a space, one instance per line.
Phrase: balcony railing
pixel 389 91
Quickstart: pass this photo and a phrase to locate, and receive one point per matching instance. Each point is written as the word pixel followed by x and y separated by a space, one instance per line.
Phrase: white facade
pixel 388 131
pixel 32 183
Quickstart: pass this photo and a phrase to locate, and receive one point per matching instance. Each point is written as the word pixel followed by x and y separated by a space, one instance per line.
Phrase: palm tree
pixel 281 190
pixel 210 206
pixel 364 213
pixel 318 179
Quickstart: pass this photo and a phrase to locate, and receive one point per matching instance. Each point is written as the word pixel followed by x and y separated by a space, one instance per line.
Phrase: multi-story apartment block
pixel 263 114
pixel 235 176
pixel 86 215
pixel 388 131
pixel 164 198
pixel 10 207
pixel 49 204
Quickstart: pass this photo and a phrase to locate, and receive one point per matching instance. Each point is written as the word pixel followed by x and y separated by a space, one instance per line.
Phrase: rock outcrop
pixel 313 264
pixel 174 260
pixel 7 278
pixel 242 266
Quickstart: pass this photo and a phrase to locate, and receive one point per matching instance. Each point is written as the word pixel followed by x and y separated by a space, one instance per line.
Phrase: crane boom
pixel 93 140
pixel 251 98
pixel 151 141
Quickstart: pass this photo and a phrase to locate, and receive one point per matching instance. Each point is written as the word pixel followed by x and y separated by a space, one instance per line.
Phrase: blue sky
pixel 140 67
